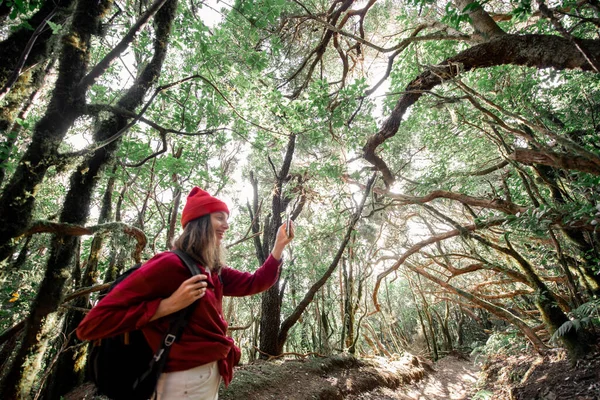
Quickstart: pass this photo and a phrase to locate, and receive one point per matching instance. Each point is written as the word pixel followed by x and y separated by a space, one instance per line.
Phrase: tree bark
pixel 24 50
pixel 76 210
pixel 8 125
pixel 69 371
pixel 571 162
pixel 65 105
pixel 12 47
pixel 271 299
pixel 539 51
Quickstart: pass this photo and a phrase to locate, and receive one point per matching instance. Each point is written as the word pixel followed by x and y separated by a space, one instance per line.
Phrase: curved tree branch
pixel 23 59
pixel 564 161
pixel 58 228
pixel 540 51
pixel 431 240
pixel 103 65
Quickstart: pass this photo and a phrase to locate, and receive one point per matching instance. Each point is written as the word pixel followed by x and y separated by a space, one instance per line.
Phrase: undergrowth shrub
pixel 585 316
pixel 506 342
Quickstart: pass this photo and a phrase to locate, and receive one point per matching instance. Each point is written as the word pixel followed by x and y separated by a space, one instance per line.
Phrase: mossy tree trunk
pixel 18 66
pixel 13 128
pixel 546 302
pixel 66 104
pixel 270 319
pixel 18 196
pixel 76 210
pixel 70 370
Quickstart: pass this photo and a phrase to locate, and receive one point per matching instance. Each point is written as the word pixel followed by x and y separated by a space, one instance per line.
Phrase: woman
pixel 162 286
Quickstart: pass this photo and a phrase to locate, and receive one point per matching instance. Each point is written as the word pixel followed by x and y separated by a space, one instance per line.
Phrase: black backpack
pixel 123 367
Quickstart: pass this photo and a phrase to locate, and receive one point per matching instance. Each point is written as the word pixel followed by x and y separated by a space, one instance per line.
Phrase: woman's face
pixel 219 223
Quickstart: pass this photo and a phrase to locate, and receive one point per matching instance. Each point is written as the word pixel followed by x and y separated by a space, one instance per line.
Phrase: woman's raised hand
pixel 282 239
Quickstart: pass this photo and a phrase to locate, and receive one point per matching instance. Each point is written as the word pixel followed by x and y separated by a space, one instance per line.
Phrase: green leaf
pixel 471 6
pixel 55 27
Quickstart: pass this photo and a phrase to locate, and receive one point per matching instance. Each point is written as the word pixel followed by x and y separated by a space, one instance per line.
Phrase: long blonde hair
pixel 200 242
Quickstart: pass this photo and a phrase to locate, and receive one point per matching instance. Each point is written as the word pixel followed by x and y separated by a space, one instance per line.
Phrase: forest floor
pixel 453 377
pixel 522 376
pixel 501 377
pixel 529 376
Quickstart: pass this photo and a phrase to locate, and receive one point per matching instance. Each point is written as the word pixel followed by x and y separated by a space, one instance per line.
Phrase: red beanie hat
pixel 200 203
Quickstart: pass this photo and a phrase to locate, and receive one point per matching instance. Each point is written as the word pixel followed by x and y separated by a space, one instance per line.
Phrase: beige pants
pixel 200 383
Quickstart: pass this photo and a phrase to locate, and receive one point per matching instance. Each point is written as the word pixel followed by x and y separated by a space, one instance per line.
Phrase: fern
pixel 483 395
pixel 582 316
pixel 587 309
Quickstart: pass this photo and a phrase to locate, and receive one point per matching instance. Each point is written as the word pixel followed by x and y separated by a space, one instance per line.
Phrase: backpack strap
pixel 188 261
pixel 184 315
pixel 178 323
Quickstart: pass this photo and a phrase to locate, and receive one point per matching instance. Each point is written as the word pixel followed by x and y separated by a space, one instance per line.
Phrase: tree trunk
pixel 75 211
pixel 13 46
pixel 271 299
pixel 348 325
pixel 443 322
pixel 459 328
pixel 13 129
pixel 69 371
pixel 546 302
pixel 500 312
pixel 25 54
pixel 18 196
pixel 66 104
pixel 308 297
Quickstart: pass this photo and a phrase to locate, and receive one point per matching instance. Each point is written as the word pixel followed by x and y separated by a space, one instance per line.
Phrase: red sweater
pixel 132 303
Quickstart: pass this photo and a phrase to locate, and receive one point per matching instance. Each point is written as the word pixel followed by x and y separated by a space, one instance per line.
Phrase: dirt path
pixel 344 377
pixel 453 379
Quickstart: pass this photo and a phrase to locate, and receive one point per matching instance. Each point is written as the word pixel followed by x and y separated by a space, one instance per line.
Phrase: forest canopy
pixel 440 159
